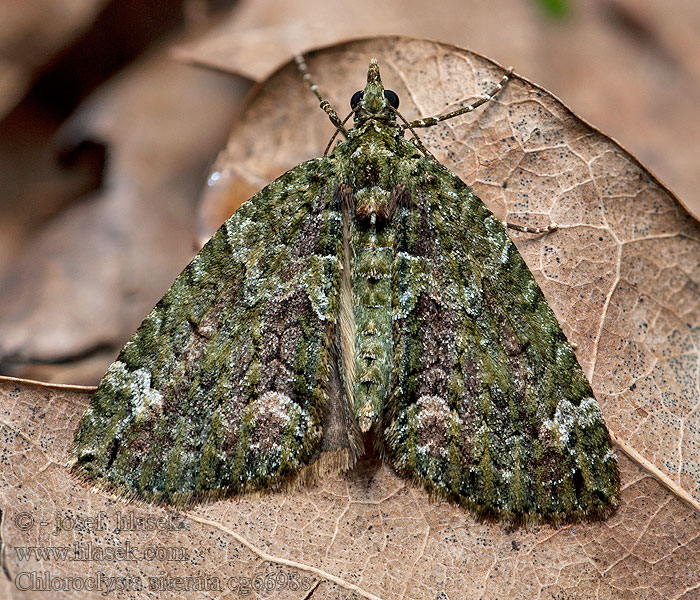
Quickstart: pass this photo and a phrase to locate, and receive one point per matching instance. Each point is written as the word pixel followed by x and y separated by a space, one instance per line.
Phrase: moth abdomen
pixel 372 240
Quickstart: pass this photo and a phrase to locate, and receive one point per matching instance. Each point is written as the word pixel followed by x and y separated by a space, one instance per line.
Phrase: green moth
pixel 366 300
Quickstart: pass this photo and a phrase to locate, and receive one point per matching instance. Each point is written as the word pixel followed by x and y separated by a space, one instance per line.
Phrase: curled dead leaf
pixel 621 272
pixel 83 281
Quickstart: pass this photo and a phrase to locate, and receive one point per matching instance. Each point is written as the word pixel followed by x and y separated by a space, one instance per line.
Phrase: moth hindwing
pixel 368 292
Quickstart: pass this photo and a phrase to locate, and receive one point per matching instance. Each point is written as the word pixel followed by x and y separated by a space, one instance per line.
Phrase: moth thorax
pixel 374 201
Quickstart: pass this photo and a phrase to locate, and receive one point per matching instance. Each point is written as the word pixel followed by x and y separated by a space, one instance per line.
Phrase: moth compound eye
pixel 392 98
pixel 356 98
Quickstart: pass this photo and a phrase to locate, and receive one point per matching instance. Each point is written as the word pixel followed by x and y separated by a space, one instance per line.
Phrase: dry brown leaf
pixel 621 274
pixel 367 532
pixel 31 33
pixel 632 67
pixel 79 287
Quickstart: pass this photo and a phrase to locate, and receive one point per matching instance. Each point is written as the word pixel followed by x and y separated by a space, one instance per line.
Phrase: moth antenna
pixel 325 105
pixel 492 93
pixel 336 132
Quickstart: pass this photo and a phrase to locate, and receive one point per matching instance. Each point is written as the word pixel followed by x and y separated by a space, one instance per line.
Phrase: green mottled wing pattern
pixel 230 384
pixel 367 297
pixel 488 404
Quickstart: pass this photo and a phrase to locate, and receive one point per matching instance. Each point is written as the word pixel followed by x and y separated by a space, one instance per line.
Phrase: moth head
pixel 374 102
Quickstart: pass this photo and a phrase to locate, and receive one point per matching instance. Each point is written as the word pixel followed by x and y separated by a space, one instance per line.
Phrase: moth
pixel 364 301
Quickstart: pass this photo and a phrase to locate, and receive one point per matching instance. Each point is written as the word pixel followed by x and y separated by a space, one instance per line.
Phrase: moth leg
pixel 325 105
pixel 430 121
pixel 526 229
pixel 416 140
pixel 337 131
